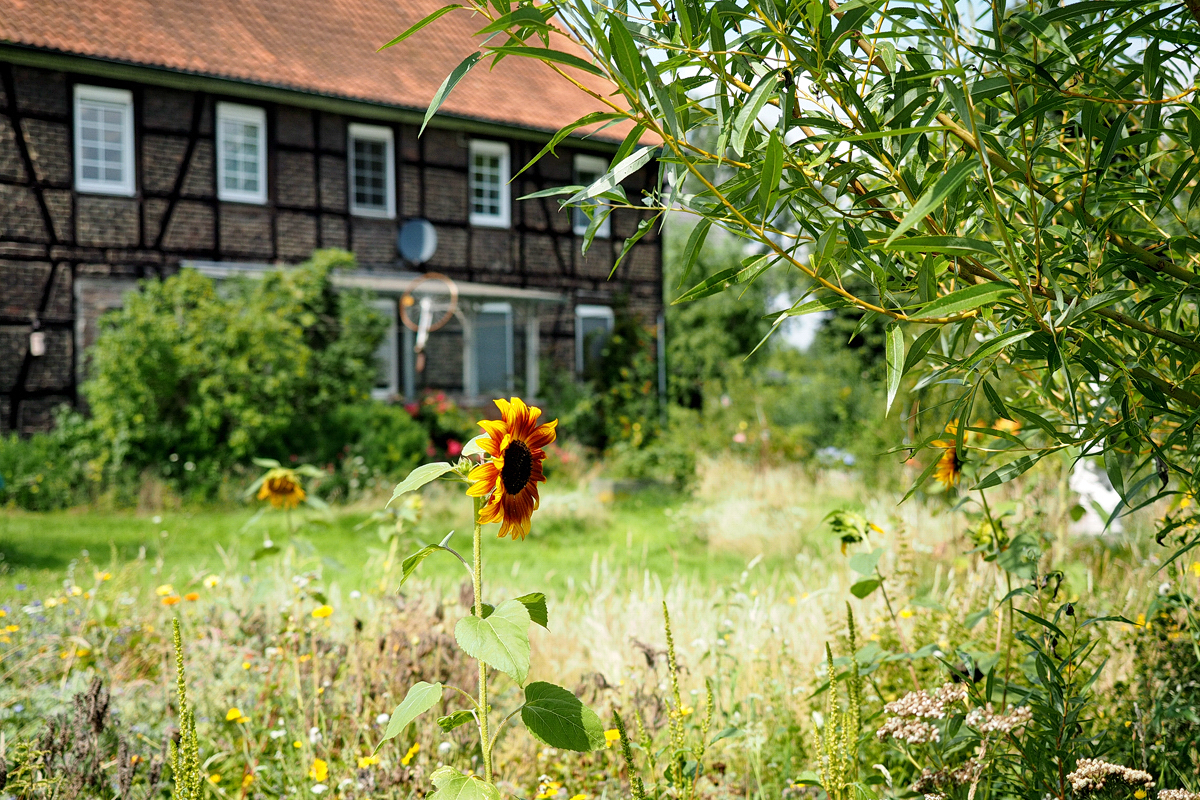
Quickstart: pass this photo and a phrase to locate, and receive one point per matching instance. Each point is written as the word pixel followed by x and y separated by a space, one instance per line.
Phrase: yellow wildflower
pixel 170 601
pixel 214 779
pixel 247 779
pixel 412 751
pixel 611 737
pixel 103 576
pixel 322 611
pixel 296 744
pixel 211 581
pixel 319 770
pixel 164 590
pixel 367 761
pixel 233 714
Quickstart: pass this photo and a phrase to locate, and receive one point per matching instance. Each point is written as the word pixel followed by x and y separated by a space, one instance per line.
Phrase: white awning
pixel 385 283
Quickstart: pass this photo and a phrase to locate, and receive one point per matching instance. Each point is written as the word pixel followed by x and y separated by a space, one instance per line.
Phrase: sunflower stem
pixel 484 743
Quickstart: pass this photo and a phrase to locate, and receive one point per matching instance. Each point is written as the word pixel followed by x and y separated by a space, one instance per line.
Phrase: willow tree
pixel 1011 195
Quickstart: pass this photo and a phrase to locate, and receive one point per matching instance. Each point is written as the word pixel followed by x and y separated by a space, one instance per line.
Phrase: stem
pixel 899 631
pixel 485 744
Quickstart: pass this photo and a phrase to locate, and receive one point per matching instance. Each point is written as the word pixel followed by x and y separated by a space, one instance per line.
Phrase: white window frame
pixel 391 340
pixel 373 133
pixel 579 220
pixel 255 115
pixel 583 312
pixel 102 94
pixel 492 148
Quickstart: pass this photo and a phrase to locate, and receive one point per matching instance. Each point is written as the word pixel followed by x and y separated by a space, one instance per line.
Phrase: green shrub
pixel 52 470
pixel 189 373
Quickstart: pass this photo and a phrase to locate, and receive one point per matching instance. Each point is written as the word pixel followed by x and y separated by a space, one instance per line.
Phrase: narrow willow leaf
pixel 746 117
pixel 450 784
pixel 996 402
pixel 526 16
pixel 501 639
pixel 695 244
pixel 895 362
pixel 419 477
pixel 934 196
pixel 625 53
pixel 567 130
pixel 995 345
pixel 920 348
pixel 420 698
pixel 724 279
pixel 447 86
pixel 546 54
pixel 950 245
pixel 772 173
pixel 644 226
pixel 1006 473
pixel 818 305
pixel 431 18
pixel 557 718
pixel 967 299
pixel 619 172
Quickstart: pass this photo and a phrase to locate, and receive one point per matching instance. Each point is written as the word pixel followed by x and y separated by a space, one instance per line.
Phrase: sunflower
pixel 282 487
pixel 510 477
pixel 949 468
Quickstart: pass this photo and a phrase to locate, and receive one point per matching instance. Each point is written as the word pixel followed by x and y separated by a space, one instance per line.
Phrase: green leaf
pixel 447 86
pixel 266 463
pixel 409 565
pixel 525 16
pixel 744 121
pixel 772 173
pixel 920 348
pixel 566 130
pixel 895 362
pixel 557 718
pixel 472 447
pixel 865 563
pixel 820 304
pixel 431 18
pixel 723 280
pixel 546 54
pixel 625 53
pixel 1007 472
pixel 864 588
pixel 420 698
pixel 950 245
pixel 535 604
pixel 453 785
pixel 967 299
pixel 610 180
pixel 263 552
pixel 934 196
pixel 995 345
pixel 420 476
pixel 455 719
pixel 501 640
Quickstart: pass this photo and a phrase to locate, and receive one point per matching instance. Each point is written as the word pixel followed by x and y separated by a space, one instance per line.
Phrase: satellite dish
pixel 416 241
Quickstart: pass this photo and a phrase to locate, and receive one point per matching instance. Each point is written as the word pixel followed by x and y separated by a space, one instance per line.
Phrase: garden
pixel 915 516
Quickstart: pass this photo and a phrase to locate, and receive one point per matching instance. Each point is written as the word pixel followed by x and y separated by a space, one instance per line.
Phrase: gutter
pixel 166 77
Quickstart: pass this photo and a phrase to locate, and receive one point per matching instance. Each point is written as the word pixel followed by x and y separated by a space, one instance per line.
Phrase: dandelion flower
pixel 233 714
pixel 322 611
pixel 319 770
pixel 510 477
pixel 282 487
pixel 247 779
pixel 367 761
pixel 412 751
pixel 214 779
pixel 296 744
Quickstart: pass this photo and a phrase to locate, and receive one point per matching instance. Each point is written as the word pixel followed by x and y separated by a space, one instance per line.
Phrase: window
pixel 372 174
pixel 103 140
pixel 489 184
pixel 241 153
pixel 592 326
pixel 588 170
pixel 387 357
pixel 494 349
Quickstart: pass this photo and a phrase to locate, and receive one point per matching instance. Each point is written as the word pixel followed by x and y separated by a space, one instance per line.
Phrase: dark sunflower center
pixel 518 466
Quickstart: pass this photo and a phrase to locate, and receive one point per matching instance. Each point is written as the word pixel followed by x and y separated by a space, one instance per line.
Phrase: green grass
pixel 633 535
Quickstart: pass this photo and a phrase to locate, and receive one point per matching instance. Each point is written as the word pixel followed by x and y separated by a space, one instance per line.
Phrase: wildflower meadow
pixel 899 500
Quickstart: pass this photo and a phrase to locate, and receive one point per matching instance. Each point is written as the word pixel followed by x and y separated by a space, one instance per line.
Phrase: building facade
pixel 112 172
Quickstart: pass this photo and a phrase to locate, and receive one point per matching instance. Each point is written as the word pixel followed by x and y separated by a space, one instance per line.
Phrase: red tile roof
pixel 325 47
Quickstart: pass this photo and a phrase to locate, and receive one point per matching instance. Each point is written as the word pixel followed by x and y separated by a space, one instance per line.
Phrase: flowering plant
pixel 503 484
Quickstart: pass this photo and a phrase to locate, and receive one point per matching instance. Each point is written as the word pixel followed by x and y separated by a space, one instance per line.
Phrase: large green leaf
pixel 535 604
pixel 447 86
pixel 895 362
pixel 450 784
pixel 557 718
pixel 501 639
pixel 420 476
pixel 420 698
pixel 968 299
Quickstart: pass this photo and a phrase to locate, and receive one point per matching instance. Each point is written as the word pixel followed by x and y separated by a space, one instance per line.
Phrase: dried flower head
pixel 1178 794
pixel 1092 775
pixel 986 720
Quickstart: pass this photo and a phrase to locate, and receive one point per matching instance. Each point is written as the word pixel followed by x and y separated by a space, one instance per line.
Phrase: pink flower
pixel 453 447
pixel 740 437
pixel 412 408
pixel 430 451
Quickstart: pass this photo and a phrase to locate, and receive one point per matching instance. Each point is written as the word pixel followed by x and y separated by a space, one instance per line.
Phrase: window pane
pixel 370 174
pixel 102 135
pixel 485 184
pixel 240 155
pixel 491 352
pixel 595 333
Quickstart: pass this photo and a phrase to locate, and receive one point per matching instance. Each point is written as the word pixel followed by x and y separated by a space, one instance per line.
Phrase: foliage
pixel 1012 197
pixel 63 467
pixel 186 374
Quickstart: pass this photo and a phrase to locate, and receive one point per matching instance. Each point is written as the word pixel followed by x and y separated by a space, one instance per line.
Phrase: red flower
pixel 453 447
